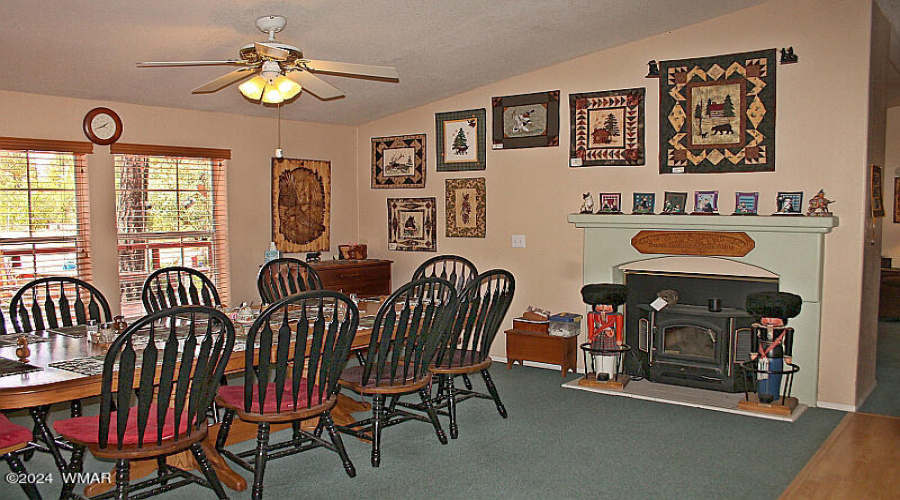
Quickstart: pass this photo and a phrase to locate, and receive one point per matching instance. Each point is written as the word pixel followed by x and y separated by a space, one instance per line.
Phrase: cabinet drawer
pixel 363 277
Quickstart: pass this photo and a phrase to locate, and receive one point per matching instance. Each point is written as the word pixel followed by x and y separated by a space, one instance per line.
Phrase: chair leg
pixel 262 451
pixel 493 390
pixel 328 423
pixel 467 381
pixel 75 465
pixel 224 428
pixel 122 475
pixel 208 471
pixel 378 415
pixel 162 468
pixel 320 426
pixel 40 425
pixel 451 405
pixel 16 466
pixel 432 414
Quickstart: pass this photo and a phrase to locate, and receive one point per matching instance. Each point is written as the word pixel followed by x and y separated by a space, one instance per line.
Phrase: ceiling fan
pixel 278 70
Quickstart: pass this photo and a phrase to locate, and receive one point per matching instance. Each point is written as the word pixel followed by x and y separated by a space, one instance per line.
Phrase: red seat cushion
pixel 233 397
pixel 12 434
pixel 354 375
pixel 87 429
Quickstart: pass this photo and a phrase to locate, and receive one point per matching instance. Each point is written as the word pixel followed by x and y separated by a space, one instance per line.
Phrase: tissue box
pixel 565 324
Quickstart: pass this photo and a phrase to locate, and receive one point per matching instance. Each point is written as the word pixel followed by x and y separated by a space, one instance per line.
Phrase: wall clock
pixel 102 126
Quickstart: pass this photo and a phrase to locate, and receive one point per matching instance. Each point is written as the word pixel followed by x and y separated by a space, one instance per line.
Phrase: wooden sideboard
pixel 363 277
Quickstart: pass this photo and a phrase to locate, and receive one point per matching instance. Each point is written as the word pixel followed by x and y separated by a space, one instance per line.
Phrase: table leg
pixel 39 416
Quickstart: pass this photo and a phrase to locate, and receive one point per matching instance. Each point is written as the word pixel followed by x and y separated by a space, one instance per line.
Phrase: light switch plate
pixel 518 241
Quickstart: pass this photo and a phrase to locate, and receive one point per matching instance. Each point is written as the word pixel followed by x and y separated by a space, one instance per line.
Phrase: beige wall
pixel 868 339
pixel 821 140
pixel 252 142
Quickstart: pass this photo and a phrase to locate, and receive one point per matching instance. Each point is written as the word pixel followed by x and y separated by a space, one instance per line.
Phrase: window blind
pixel 44 212
pixel 170 211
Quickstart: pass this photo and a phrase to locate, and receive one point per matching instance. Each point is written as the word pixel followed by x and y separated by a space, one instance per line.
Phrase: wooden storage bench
pixel 523 345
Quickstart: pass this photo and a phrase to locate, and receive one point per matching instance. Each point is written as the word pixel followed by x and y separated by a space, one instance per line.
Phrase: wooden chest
pixel 363 277
pixel 522 346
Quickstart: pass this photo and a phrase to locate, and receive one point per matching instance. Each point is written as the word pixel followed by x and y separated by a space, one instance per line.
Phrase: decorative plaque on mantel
pixel 703 243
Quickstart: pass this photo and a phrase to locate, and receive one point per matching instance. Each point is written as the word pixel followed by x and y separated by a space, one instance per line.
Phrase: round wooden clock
pixel 102 126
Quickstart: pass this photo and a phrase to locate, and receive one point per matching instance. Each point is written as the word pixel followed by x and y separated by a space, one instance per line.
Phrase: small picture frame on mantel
pixel 610 203
pixel 706 203
pixel 644 204
pixel 746 203
pixel 674 203
pixel 789 203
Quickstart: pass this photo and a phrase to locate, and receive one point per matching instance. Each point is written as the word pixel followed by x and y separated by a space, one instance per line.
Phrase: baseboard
pixel 836 406
pixel 534 364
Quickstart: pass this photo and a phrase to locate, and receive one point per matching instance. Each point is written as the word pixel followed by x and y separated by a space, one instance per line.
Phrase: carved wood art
pixel 704 243
pixel 301 205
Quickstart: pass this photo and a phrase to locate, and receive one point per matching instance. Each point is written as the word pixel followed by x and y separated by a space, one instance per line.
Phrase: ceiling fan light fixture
pixel 253 88
pixel 287 87
pixel 272 95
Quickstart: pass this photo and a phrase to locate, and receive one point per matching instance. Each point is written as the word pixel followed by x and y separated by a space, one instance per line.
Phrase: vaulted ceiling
pixel 88 48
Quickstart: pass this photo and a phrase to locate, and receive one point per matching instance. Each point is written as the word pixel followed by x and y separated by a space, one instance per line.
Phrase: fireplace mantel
pixel 792 247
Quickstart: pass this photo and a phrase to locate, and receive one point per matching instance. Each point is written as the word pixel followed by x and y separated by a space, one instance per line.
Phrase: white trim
pixel 836 406
pixel 535 364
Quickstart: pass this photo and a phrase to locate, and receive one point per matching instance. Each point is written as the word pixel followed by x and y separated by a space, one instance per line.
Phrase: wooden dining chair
pixel 57 301
pixel 285 386
pixel 13 443
pixel 178 286
pixel 481 308
pixel 286 276
pixel 49 303
pixel 179 356
pixel 409 326
pixel 453 268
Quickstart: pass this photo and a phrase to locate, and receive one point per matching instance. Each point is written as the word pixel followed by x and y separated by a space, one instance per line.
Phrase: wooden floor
pixel 859 460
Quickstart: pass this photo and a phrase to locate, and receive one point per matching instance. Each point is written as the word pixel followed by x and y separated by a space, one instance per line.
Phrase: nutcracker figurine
pixel 605 324
pixel 772 340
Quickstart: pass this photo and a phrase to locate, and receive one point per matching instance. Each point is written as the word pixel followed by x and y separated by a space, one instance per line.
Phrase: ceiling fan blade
pixel 340 68
pixel 153 64
pixel 271 51
pixel 224 81
pixel 322 89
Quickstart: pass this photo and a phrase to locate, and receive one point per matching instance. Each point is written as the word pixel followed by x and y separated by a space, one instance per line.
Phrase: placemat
pixel 13 367
pixel 84 366
pixel 74 331
pixel 12 339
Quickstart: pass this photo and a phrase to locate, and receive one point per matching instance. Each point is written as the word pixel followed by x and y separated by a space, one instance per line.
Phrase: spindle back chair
pixel 286 276
pixel 178 286
pixel 57 301
pixel 408 329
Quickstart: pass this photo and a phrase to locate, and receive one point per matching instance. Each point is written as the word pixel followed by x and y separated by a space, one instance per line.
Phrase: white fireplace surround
pixel 791 247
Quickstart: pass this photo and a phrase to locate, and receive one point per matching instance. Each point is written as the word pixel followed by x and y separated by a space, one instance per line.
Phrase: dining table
pixel 47 377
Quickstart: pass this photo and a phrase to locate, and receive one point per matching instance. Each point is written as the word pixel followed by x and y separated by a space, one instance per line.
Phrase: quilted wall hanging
pixel 717 114
pixel 607 128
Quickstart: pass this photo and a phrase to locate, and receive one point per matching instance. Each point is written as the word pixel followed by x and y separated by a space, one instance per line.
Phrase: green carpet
pixel 556 443
pixel 884 400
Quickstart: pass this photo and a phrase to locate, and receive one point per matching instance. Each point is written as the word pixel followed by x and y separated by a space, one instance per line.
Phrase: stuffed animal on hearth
pixel 772 340
pixel 606 328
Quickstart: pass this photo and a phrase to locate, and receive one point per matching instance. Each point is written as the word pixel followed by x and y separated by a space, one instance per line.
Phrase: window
pixel 44 219
pixel 170 211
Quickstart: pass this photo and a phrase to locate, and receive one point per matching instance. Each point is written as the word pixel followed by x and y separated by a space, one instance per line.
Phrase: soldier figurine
pixel 605 324
pixel 772 340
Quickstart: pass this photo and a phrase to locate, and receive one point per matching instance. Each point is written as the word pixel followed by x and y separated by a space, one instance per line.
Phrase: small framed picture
pixel 610 203
pixel 706 202
pixel 673 203
pixel 789 203
pixel 746 203
pixel 643 203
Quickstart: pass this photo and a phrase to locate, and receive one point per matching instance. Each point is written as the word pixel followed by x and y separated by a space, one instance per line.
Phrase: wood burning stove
pixel 692 346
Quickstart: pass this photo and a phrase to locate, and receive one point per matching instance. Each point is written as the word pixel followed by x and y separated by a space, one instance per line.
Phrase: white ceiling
pixel 88 48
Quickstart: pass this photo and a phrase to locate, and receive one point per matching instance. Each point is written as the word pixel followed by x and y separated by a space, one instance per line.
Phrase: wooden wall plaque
pixel 703 243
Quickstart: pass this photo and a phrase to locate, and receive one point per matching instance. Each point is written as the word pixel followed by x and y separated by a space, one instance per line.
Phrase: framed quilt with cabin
pixel 717 114
pixel 607 128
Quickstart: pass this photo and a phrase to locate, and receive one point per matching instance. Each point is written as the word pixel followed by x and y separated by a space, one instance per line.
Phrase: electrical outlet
pixel 518 241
